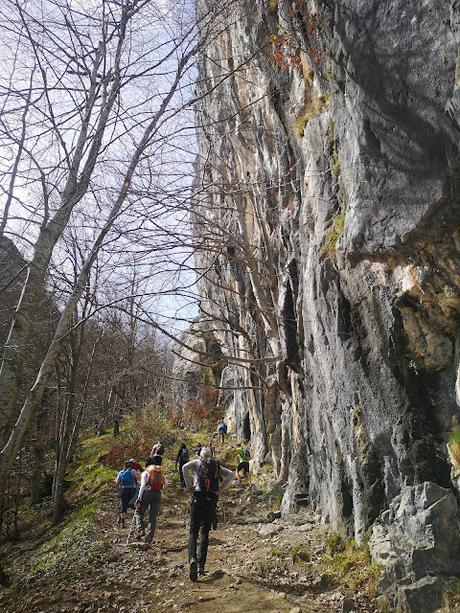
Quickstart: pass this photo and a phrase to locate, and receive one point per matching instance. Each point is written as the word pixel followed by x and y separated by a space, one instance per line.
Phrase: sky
pixel 48 53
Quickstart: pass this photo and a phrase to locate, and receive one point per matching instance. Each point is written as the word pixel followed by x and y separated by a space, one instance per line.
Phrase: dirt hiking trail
pixel 256 562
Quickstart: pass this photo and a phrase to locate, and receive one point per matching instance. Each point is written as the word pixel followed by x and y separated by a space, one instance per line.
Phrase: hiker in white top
pixel 205 479
pixel 149 497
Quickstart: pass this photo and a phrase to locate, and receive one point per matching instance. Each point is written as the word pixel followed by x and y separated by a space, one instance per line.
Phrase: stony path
pixel 249 569
pixel 157 578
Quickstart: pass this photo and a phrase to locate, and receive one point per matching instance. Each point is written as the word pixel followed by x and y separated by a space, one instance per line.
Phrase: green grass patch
pixel 300 552
pixel 335 543
pixel 350 565
pixel 335 168
pixel 276 501
pixel 330 130
pixel 73 542
pixel 454 448
pixel 276 552
pixel 449 293
pixel 300 124
pixel 330 72
pixel 333 235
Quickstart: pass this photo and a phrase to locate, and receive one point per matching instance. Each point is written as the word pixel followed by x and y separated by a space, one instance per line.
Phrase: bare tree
pixel 86 118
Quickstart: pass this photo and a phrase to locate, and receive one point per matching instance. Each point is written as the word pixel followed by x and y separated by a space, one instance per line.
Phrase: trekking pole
pixel 131 529
pixel 224 515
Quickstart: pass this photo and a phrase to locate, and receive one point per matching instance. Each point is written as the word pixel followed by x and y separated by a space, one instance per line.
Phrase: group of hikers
pixel 204 477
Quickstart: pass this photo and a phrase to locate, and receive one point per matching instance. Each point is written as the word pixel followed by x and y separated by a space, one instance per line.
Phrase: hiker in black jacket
pixel 181 459
pixel 205 479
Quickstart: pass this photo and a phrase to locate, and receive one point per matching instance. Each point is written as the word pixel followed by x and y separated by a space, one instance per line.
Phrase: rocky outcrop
pixel 327 202
pixel 417 537
pixel 12 273
pixel 197 372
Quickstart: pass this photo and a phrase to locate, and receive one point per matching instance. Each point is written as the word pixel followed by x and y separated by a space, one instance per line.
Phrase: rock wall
pixel 327 210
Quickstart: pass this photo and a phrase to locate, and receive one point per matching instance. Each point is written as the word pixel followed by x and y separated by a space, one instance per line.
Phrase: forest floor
pixel 255 562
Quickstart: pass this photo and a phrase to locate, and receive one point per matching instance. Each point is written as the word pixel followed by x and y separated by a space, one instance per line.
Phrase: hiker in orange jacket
pixel 149 497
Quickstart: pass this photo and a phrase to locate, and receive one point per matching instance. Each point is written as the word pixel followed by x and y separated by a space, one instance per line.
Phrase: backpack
pixel 246 455
pixel 184 457
pixel 127 478
pixel 156 479
pixel 222 428
pixel 209 476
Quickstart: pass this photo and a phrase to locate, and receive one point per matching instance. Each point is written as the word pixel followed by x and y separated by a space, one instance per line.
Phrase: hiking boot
pixel 193 570
pixel 201 570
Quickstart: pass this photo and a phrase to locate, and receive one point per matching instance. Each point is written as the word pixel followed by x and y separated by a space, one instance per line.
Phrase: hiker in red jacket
pixel 135 464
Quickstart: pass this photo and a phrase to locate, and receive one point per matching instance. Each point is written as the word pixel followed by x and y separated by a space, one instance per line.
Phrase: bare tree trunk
pixel 116 425
pixel 100 99
pixel 11 369
pixel 37 464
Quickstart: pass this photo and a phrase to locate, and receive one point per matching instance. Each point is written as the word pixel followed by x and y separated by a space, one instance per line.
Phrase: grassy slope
pixel 49 553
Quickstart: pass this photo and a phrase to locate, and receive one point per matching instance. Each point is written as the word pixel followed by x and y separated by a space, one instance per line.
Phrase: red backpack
pixel 156 478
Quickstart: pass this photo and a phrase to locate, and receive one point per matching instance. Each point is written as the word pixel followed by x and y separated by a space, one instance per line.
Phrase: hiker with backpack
pixel 137 467
pixel 139 470
pixel 157 455
pixel 221 430
pixel 242 470
pixel 149 498
pixel 155 449
pixel 181 459
pixel 205 480
pixel 126 482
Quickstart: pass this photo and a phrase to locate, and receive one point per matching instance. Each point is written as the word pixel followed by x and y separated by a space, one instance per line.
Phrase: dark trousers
pixel 202 513
pixel 181 476
pixel 126 493
pixel 151 501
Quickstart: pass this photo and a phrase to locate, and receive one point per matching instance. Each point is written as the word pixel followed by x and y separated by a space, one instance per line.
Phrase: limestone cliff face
pixel 328 210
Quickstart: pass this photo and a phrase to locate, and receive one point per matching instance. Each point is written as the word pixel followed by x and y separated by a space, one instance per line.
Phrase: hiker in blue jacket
pixel 221 430
pixel 126 482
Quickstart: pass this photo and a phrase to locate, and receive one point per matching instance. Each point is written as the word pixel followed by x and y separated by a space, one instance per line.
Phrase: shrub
pixel 284 51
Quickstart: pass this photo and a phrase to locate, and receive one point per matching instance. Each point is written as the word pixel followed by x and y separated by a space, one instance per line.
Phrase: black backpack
pixel 184 457
pixel 209 476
